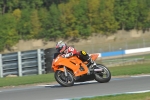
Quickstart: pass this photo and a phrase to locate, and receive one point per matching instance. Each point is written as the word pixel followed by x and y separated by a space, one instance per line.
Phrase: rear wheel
pixel 64 80
pixel 103 76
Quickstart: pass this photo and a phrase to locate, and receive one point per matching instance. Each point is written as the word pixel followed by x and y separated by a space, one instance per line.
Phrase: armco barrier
pixel 22 63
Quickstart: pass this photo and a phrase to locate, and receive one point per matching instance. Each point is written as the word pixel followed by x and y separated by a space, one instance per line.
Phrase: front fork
pixel 66 74
pixel 65 70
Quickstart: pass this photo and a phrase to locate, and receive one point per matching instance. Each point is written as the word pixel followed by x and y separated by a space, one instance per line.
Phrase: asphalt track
pixel 56 92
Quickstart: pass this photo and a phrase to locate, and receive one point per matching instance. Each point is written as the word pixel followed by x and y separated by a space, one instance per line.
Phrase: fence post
pixel 1 67
pixel 19 64
pixel 39 62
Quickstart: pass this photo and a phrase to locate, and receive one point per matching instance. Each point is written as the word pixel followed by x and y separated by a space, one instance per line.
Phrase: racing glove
pixel 67 55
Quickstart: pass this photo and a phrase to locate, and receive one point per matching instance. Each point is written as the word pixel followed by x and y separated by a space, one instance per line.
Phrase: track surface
pixel 55 92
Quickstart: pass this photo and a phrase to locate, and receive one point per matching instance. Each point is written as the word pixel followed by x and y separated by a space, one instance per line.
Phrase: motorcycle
pixel 67 71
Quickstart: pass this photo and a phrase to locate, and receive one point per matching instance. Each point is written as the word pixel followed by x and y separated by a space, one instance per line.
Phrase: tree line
pixel 51 19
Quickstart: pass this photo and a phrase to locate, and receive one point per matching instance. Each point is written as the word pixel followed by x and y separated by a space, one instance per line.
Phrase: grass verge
pixel 139 96
pixel 15 81
pixel 131 69
pixel 115 71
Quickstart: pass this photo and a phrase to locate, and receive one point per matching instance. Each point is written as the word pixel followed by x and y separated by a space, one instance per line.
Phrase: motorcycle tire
pixel 99 76
pixel 63 80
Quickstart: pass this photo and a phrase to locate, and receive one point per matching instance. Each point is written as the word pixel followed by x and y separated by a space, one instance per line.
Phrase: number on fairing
pixel 71 49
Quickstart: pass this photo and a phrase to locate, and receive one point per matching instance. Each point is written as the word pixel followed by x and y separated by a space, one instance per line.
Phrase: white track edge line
pixel 78 98
pixel 141 76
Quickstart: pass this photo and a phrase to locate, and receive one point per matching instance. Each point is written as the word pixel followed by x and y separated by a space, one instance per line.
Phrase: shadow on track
pixel 76 84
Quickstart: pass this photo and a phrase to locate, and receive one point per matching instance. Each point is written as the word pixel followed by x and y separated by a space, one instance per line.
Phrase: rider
pixel 68 51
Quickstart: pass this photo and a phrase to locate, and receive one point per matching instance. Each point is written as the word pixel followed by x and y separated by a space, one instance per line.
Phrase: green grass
pixel 14 81
pixel 115 71
pixel 130 69
pixel 145 56
pixel 140 96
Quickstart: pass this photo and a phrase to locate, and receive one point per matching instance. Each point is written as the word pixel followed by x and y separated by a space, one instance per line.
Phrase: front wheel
pixel 64 80
pixel 103 76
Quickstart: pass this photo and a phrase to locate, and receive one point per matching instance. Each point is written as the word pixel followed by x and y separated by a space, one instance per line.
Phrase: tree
pixel 82 23
pixel 17 14
pixel 107 24
pixel 53 24
pixel 143 14
pixel 126 13
pixel 8 33
pixel 24 24
pixel 67 19
pixel 43 18
pixel 35 24
pixel 93 14
pixel 3 6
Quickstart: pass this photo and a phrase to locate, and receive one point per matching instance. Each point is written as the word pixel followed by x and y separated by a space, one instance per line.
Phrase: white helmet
pixel 59 45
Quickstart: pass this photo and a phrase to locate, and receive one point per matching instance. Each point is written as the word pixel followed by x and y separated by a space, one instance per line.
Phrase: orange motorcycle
pixel 67 71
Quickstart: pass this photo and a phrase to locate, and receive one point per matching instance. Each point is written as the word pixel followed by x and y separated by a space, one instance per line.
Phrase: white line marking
pixel 134 92
pixel 141 76
pixel 138 92
pixel 62 99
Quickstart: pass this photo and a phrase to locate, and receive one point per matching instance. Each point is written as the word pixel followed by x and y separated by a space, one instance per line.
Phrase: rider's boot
pixel 92 63
pixel 91 66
